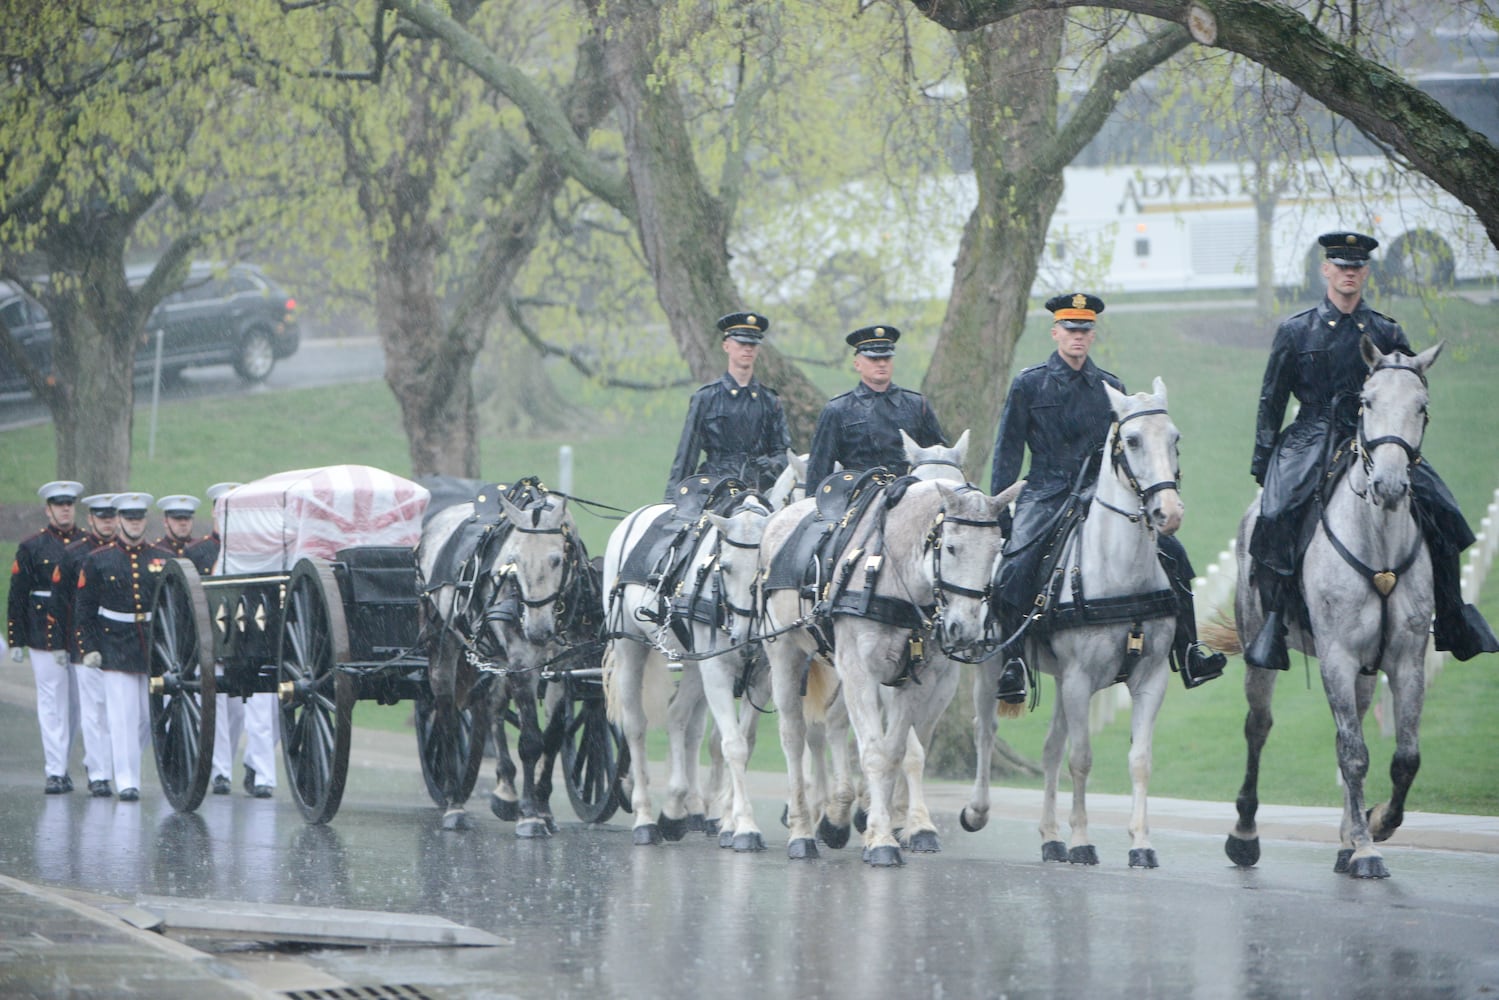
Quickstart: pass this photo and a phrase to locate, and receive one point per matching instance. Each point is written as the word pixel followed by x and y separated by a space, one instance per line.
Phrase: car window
pixel 13 313
pixel 240 283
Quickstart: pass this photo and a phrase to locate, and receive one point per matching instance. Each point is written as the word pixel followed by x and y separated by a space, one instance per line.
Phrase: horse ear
pixel 1117 399
pixel 1369 351
pixel 1007 496
pixel 1428 357
pixel 1158 387
pixel 718 521
pixel 962 446
pixel 908 443
pixel 512 512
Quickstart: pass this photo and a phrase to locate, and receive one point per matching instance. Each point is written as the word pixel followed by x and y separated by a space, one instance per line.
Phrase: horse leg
pixel 1339 673
pixel 551 747
pixel 1408 684
pixel 504 802
pixel 838 799
pixel 882 741
pixel 1243 845
pixel 938 688
pixel 786 658
pixel 1148 690
pixel 627 675
pixel 442 682
pixel 1052 847
pixel 684 723
pixel 1075 692
pixel 718 691
pixel 533 822
pixel 975 815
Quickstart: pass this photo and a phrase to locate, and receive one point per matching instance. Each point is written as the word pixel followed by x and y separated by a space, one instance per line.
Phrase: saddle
pixel 842 499
pixel 485 527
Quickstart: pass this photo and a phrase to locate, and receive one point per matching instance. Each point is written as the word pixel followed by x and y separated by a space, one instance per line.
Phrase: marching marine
pixel 27 628
pixel 177 518
pixel 111 625
pixel 92 717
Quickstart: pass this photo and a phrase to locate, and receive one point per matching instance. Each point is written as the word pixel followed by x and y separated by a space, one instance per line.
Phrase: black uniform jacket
pixel 861 430
pixel 176 546
pixel 1063 417
pixel 31 587
pixel 204 553
pixel 111 612
pixel 1316 358
pixel 65 589
pixel 734 425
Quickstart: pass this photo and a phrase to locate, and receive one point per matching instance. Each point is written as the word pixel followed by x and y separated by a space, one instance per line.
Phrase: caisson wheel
pixel 593 751
pixel 182 685
pixel 316 695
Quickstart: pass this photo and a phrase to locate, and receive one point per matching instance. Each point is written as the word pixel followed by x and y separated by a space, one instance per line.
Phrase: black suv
pixel 234 315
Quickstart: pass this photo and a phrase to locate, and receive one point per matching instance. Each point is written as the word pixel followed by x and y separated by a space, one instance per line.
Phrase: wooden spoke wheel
pixel 593 751
pixel 451 760
pixel 182 685
pixel 316 694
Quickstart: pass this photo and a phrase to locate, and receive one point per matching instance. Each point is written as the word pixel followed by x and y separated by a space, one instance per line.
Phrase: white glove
pixel 92 660
pixel 17 653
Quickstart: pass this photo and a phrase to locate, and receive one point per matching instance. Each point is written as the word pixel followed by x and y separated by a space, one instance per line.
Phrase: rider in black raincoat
pixel 1060 411
pixel 1316 358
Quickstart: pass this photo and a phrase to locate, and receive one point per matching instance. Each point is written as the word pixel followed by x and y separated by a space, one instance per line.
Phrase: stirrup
pixel 1012 682
pixel 1268 650
pixel 1199 666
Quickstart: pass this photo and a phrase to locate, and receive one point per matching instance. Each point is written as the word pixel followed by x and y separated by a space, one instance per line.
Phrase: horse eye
pixel 1132 440
pixel 952 549
pixel 556 559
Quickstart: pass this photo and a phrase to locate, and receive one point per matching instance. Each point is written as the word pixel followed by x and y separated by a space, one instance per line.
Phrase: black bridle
pixel 1119 463
pixel 1366 446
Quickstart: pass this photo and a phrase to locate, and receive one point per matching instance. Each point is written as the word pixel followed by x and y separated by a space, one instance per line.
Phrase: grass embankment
pixel 1211 361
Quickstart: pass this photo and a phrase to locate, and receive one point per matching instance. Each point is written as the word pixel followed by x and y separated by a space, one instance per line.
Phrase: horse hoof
pixel 1085 855
pixel 1242 851
pixel 802 849
pixel 923 842
pixel 1345 855
pixel 748 843
pixel 974 821
pixel 884 856
pixel 672 829
pixel 1370 867
pixel 506 809
pixel 725 839
pixel 455 819
pixel 550 821
pixel 786 817
pixel 1383 822
pixel 532 828
pixel 861 819
pixel 711 827
pixel 834 836
pixel 647 835
pixel 1142 857
pixel 696 822
pixel 1053 850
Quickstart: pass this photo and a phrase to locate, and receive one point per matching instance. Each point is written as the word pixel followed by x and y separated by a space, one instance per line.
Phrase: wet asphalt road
pixel 586 914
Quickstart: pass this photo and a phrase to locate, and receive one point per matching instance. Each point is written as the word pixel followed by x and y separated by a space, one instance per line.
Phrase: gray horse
pixel 1366 578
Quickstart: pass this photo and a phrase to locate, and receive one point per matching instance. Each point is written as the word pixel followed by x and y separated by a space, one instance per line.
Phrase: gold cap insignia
pixel 1079 301
pixel 1352 239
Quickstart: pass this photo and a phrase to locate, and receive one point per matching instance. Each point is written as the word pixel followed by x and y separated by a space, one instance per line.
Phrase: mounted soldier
pixel 1061 413
pixel 1316 357
pixel 736 423
pixel 860 429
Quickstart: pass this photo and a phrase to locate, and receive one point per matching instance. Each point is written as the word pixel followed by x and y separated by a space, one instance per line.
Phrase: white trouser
pixel 228 726
pixel 257 719
pixel 94 721
pixel 129 725
pixel 56 707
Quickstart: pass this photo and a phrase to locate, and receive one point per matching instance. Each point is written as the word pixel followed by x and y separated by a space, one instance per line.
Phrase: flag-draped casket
pixel 267 525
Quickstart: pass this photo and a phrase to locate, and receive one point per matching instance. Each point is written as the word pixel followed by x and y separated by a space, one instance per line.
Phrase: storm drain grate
pixel 384 991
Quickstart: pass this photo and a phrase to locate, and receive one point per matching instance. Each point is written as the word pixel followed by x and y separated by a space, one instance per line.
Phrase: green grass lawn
pixel 1211 360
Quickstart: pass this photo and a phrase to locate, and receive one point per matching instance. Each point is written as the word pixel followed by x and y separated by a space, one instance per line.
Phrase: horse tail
pixel 1009 710
pixel 822 686
pixel 612 707
pixel 656 691
pixel 1222 634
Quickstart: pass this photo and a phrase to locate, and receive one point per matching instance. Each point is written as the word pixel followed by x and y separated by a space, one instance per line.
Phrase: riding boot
pixel 1460 628
pixel 1268 650
pixel 1012 679
pixel 1195 662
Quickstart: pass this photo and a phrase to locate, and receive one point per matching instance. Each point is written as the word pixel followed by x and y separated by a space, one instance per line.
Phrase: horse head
pixel 937 461
pixel 791 485
pixel 1392 420
pixel 535 558
pixel 739 537
pixel 963 546
pixel 1142 453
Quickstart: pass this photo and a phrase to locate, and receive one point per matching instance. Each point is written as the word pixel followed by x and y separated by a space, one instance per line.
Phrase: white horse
pixel 1113 553
pixel 925 559
pixel 718 580
pixel 1366 578
pixel 499 618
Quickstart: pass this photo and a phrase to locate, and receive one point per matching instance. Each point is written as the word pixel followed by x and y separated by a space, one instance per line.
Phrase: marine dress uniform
pixel 177 507
pixel 740 430
pixel 1316 358
pixel 93 721
pixel 112 615
pixel 27 628
pixel 860 429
